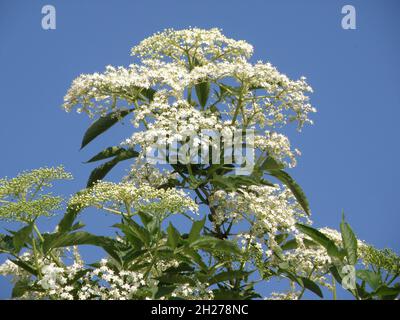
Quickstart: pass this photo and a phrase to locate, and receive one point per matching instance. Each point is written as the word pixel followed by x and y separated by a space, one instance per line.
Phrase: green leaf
pixel 272 164
pixel 77 226
pixel 373 279
pixel 194 256
pixel 6 244
pixel 58 240
pixel 132 255
pixel 20 288
pixel 233 182
pixel 312 286
pixel 68 219
pixel 202 92
pixel 22 236
pixel 293 186
pixel 101 171
pixel 387 293
pixel 349 242
pixel 209 243
pixel 106 153
pixel 320 238
pixel 173 236
pixel 172 278
pixel 228 276
pixel 25 266
pixel 103 124
pixel 136 230
pixel 227 294
pixel 163 291
pixel 197 226
pixel 289 245
pixel 145 217
pixel 336 274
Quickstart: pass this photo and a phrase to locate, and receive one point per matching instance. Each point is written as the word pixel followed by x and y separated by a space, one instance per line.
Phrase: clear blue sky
pixel 350 156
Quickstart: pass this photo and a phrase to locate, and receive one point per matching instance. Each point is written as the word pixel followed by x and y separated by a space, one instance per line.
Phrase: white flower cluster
pixel 283 296
pixel 142 173
pixel 277 146
pixel 268 209
pixel 106 284
pixel 126 196
pixel 173 63
pixel 314 261
pixel 101 283
pixel 97 93
pixel 199 291
pixel 202 44
pixel 9 268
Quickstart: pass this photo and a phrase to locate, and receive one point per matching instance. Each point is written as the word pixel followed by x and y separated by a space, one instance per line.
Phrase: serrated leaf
pixel 106 153
pixel 163 291
pixel 172 278
pixel 202 92
pixel 320 238
pixel 349 242
pixel 173 236
pixel 138 231
pixel 20 288
pixel 289 245
pixel 299 194
pixel 25 266
pixel 373 279
pixel 195 231
pixel 22 236
pixel 387 293
pixel 68 219
pixel 103 124
pixel 227 276
pixel 312 286
pixel 208 243
pixel 272 164
pixel 58 240
pixel 101 171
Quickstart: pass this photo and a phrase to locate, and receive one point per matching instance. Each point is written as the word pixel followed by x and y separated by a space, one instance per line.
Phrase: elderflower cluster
pixel 97 93
pixel 268 209
pixel 142 173
pixel 22 197
pixel 284 296
pixel 9 268
pixel 171 65
pixel 205 45
pixel 313 261
pixel 199 291
pixel 126 196
pixel 277 146
pixel 104 283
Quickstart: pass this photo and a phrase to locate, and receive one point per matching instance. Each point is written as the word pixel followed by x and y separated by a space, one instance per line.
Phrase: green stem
pixel 334 288
pixel 52 256
pixel 35 255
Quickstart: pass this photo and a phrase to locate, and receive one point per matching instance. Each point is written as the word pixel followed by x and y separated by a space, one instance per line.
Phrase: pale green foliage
pixel 22 197
pixel 125 197
pixel 384 259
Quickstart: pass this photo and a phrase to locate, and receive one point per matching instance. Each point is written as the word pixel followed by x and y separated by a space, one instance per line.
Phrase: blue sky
pixel 350 156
